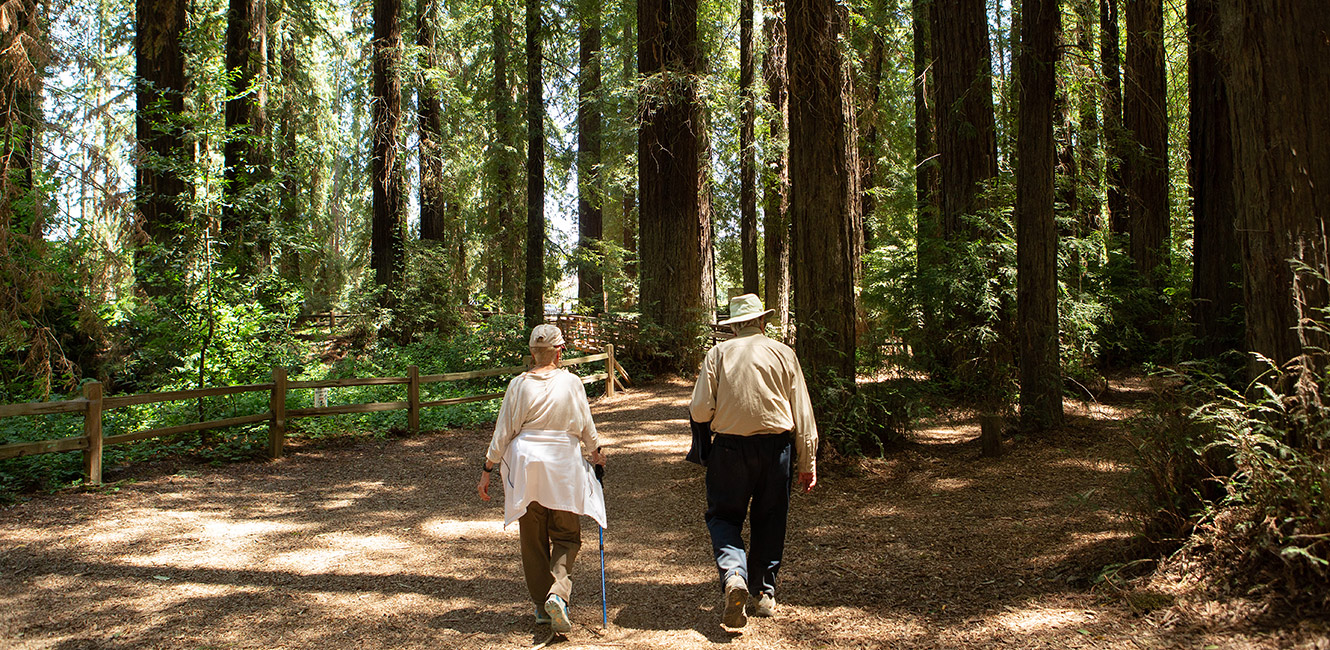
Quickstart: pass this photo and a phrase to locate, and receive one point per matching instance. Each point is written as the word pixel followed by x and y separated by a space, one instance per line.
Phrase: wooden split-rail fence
pixel 92 405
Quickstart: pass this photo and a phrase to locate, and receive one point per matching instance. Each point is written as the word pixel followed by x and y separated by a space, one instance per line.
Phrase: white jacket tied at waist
pixel 547 467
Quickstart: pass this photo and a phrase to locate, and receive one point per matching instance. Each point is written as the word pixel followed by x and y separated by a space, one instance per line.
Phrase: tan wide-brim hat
pixel 545 336
pixel 745 308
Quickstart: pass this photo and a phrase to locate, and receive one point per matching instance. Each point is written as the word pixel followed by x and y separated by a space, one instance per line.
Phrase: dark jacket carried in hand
pixel 701 447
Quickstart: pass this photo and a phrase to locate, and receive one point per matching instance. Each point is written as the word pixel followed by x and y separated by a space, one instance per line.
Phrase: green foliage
pixel 1247 471
pixel 871 420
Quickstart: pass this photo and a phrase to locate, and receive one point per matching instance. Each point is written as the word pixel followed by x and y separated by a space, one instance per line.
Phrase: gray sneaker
pixel 736 596
pixel 764 606
pixel 558 611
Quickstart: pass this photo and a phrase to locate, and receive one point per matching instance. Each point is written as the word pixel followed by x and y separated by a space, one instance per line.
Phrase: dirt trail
pixel 384 545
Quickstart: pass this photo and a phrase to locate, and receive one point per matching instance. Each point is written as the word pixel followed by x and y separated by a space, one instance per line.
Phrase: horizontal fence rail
pixel 92 407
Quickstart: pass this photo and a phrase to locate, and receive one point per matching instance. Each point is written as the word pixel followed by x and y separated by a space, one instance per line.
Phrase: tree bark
pixel 966 135
pixel 628 222
pixel 505 245
pixel 927 178
pixel 827 232
pixel 159 187
pixel 1277 103
pixel 1036 231
pixel 1146 121
pixel 674 218
pixel 868 146
pixel 1216 270
pixel 292 185
pixel 1111 62
pixel 534 304
pixel 245 151
pixel 775 212
pixel 389 222
pixel 590 220
pixel 433 216
pixel 747 152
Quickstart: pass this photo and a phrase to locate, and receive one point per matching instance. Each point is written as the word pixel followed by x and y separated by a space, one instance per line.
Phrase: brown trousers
pixel 550 541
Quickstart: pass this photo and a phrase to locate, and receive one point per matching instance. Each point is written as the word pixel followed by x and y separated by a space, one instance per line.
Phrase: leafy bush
pixel 870 421
pixel 1247 471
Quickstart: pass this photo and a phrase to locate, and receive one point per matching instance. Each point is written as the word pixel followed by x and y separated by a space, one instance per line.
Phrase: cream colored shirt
pixel 553 400
pixel 752 385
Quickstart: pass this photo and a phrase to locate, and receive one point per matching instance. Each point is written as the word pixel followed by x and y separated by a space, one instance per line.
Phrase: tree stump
pixel 990 435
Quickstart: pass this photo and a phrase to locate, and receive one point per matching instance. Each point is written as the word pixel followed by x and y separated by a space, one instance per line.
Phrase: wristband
pixel 483 467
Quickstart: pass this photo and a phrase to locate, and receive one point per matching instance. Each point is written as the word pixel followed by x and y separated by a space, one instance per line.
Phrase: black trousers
pixel 749 477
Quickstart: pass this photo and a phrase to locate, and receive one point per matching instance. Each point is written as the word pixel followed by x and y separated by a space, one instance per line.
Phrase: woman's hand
pixel 483 487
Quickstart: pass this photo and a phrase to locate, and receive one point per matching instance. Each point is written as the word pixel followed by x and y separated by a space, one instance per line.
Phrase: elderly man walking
pixel 752 392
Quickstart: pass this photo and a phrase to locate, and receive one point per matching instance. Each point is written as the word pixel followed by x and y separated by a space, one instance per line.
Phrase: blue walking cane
pixel 604 602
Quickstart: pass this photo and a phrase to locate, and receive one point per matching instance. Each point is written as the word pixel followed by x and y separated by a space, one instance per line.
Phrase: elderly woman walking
pixel 542 441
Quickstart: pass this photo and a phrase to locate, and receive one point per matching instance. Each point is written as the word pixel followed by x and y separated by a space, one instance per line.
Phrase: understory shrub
pixel 1246 472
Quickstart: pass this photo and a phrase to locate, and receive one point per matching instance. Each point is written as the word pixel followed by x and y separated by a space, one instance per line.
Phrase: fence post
pixel 277 408
pixel 413 396
pixel 609 368
pixel 92 429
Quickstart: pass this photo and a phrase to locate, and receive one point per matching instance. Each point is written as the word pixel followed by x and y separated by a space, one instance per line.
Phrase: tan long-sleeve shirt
pixel 554 400
pixel 752 385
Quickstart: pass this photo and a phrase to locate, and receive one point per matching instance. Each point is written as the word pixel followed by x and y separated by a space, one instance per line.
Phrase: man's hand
pixel 807 480
pixel 483 487
pixel 597 457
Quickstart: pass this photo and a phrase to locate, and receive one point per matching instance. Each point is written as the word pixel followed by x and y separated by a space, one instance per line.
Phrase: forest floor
pixel 383 543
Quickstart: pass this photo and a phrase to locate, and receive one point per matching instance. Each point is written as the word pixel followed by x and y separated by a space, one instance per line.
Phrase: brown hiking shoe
pixel 736 596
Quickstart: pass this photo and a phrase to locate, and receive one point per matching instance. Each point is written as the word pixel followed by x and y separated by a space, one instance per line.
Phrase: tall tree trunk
pixel 775 212
pixel 1277 103
pixel 1111 62
pixel 1036 232
pixel 389 222
pixel 747 152
pixel 506 240
pixel 868 146
pixel 291 178
pixel 534 304
pixel 824 194
pixel 966 138
pixel 590 192
pixel 628 221
pixel 927 179
pixel 433 198
pixel 159 185
pixel 1216 287
pixel 675 226
pixel 245 151
pixel 967 154
pixel 1088 137
pixel 1145 115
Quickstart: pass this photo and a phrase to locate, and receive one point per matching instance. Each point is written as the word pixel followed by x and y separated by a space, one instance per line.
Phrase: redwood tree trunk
pixel 1216 272
pixel 747 171
pixel 1111 61
pixel 245 154
pixel 535 170
pixel 1147 123
pixel 775 212
pixel 827 231
pixel 628 220
pixel 590 220
pixel 389 221
pixel 675 226
pixel 868 147
pixel 1277 102
pixel 505 245
pixel 159 187
pixel 433 217
pixel 966 136
pixel 1036 231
